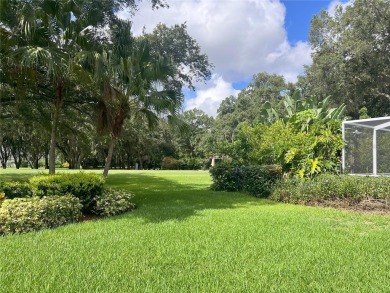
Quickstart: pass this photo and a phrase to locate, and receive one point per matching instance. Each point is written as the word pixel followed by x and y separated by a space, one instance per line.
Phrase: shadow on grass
pixel 159 199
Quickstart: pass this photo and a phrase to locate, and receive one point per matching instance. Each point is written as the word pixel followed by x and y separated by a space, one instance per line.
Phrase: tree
pixel 140 77
pixel 351 60
pixel 41 38
pixel 192 65
pixel 128 73
pixel 247 106
pixel 193 142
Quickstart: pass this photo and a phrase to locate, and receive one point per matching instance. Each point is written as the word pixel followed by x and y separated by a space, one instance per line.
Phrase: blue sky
pixel 298 16
pixel 241 38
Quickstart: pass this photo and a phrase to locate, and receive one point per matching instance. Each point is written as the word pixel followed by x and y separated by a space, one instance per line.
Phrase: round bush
pixel 20 215
pixel 113 202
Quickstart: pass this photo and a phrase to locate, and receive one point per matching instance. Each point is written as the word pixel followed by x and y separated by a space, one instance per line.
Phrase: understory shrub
pixel 85 186
pixel 113 202
pixel 226 177
pixel 22 215
pixel 13 189
pixel 259 180
pixel 256 180
pixel 332 187
pixel 191 164
pixel 169 163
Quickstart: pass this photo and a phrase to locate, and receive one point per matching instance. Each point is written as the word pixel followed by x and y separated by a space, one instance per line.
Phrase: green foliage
pixel 247 107
pixel 184 231
pixel 191 164
pixel 300 153
pixel 194 142
pixel 113 202
pixel 332 187
pixel 259 180
pixel 169 163
pixel 14 189
pixel 84 186
pixel 226 177
pixel 22 215
pixel 351 56
pixel 256 180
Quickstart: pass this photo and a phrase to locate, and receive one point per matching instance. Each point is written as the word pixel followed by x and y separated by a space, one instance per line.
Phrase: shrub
pixel 84 186
pixel 2 198
pixel 191 164
pixel 14 189
pixel 226 177
pixel 259 180
pixel 331 187
pixel 169 163
pixel 113 202
pixel 22 215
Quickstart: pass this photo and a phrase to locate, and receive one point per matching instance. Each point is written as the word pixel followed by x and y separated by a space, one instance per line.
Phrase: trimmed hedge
pixel 332 187
pixel 13 189
pixel 113 202
pixel 256 180
pixel 22 215
pixel 85 186
pixel 226 177
pixel 259 180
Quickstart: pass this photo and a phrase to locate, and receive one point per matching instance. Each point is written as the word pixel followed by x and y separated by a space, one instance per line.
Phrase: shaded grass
pixel 185 238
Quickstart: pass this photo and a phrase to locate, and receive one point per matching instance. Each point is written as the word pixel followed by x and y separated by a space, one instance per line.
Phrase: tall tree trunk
pixel 109 156
pixel 46 160
pixel 128 162
pixel 4 156
pixel 53 136
pixel 17 159
pixel 36 164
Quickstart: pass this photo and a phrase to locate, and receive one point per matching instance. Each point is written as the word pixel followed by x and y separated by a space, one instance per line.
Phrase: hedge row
pixel 257 180
pixel 15 189
pixel 169 163
pixel 30 214
pixel 85 186
pixel 332 187
pixel 36 204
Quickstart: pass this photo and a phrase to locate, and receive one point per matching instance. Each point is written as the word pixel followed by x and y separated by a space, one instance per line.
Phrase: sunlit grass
pixel 185 238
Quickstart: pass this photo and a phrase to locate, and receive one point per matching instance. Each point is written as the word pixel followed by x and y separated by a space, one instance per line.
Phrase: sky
pixel 241 38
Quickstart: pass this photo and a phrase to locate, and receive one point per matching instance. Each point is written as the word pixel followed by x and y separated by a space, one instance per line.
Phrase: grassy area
pixel 185 238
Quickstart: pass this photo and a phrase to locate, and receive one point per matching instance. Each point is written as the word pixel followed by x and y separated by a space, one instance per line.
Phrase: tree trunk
pixel 4 156
pixel 17 160
pixel 36 164
pixel 78 162
pixel 109 156
pixel 53 136
pixel 46 160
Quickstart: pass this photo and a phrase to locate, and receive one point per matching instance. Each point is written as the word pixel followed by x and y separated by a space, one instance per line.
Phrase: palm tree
pixel 40 37
pixel 134 84
pixel 40 41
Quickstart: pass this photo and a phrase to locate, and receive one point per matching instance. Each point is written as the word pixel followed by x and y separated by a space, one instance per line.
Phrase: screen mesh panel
pixel 383 152
pixel 359 152
pixel 358 149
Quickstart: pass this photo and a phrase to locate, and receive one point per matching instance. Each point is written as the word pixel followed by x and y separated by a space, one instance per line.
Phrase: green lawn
pixel 185 238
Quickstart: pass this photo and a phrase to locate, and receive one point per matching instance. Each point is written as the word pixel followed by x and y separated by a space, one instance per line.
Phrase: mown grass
pixel 185 238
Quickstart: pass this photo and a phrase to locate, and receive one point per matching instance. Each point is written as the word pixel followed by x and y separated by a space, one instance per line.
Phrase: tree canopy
pixel 351 59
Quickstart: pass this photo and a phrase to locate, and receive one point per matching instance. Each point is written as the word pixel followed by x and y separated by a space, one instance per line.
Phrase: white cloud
pixel 333 5
pixel 209 98
pixel 241 38
pixel 236 35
